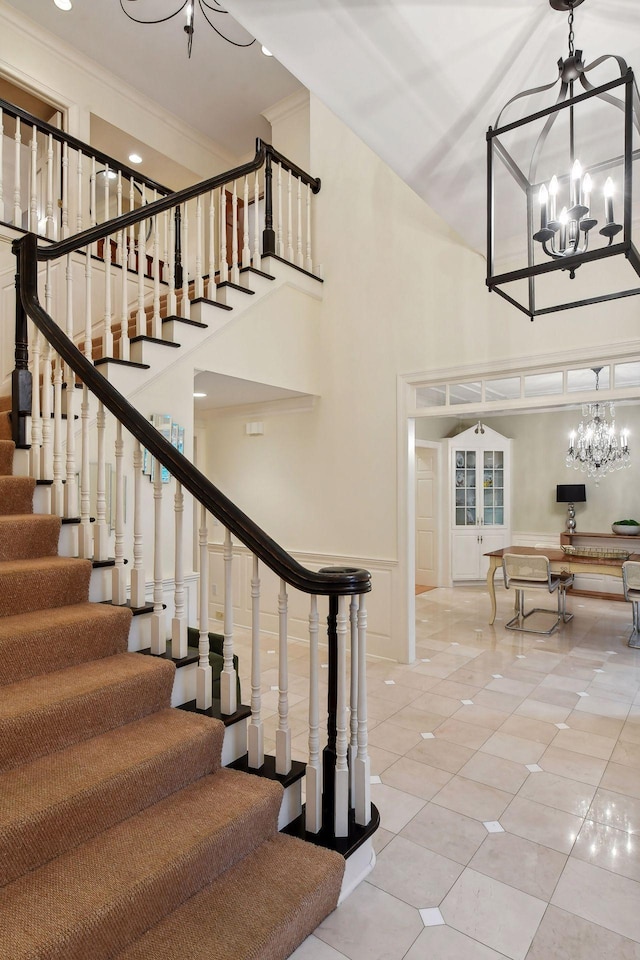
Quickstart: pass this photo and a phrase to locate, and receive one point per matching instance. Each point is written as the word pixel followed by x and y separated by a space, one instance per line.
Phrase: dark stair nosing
pixel 236 286
pixel 212 303
pixel 136 611
pixel 324 838
pixel 268 770
pixel 109 562
pixel 143 338
pixel 259 273
pixel 192 656
pixel 295 266
pixel 191 323
pixel 122 363
pixel 242 713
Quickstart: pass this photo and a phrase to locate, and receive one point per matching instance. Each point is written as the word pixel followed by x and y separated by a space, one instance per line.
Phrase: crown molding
pixel 288 106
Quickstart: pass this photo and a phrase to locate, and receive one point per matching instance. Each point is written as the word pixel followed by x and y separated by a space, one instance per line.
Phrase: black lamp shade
pixel 571 493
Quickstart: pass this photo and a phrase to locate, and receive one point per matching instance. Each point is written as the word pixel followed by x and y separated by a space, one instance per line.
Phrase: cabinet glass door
pixel 465 492
pixel 493 488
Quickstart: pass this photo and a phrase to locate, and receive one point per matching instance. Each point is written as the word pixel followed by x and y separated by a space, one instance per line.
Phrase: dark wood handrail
pixel 103 230
pixel 84 148
pixel 340 582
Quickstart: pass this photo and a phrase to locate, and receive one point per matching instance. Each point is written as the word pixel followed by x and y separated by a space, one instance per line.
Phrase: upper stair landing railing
pixel 55 185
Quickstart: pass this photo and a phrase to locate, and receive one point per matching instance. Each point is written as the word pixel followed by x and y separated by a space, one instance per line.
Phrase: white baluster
pixel 118 575
pixel 88 331
pixel 313 803
pixel 57 490
pixel 17 199
pixel 185 306
pixel 204 689
pixel 71 482
pixel 33 187
pixel 92 195
pixel 341 809
pixel 79 197
pixel 309 262
pixel 141 317
pixel 362 762
pixel 85 545
pixel 235 274
pixel 246 252
pixel 257 259
pixel 36 414
pixel 289 219
pixel 124 277
pixel 172 302
pixel 138 584
pixel 65 191
pixel 255 733
pixel 283 733
pixel 156 321
pixel 198 279
pixel 228 679
pixel 51 228
pixel 158 629
pixel 353 704
pixel 47 389
pixel 1 165
pixel 279 243
pixel 211 283
pixel 299 254
pixel 179 622
pixel 132 228
pixel 224 267
pixel 107 340
pixel 101 531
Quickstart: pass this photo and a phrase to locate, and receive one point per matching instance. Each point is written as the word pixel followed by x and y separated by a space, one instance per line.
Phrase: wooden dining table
pixel 560 562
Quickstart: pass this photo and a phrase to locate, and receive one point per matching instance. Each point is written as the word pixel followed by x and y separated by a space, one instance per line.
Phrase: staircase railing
pixel 337 789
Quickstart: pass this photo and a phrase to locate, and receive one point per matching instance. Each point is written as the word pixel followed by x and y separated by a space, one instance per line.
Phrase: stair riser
pixel 53 726
pixel 24 591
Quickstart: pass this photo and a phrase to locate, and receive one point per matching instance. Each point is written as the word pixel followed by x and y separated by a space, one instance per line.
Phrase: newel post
pixel 268 234
pixel 178 249
pixel 21 375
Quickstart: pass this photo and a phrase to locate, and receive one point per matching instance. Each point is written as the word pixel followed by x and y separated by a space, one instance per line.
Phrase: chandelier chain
pixel 571 36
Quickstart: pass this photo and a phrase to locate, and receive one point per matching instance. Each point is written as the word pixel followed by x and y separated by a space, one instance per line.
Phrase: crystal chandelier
pixel 596 450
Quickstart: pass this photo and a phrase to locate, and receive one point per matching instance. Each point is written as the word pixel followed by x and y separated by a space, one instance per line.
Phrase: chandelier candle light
pixel 569 161
pixel 596 450
pixel 189 9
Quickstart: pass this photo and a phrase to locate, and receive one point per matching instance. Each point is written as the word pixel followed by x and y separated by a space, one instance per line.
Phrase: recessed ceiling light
pixel 63 4
pixel 199 394
pixel 266 52
pixel 135 158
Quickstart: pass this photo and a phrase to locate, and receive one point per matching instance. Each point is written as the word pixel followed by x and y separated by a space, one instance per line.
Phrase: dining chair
pixel 631 585
pixel 533 572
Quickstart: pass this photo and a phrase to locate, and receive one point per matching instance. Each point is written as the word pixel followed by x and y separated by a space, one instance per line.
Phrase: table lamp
pixel 571 493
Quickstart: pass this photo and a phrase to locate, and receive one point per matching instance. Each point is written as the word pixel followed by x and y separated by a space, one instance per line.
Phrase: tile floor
pixel 509 791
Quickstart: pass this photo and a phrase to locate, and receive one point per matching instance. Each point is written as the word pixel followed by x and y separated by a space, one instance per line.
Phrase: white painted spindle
pixel 156 320
pixel 57 490
pixel 64 199
pixel 71 482
pixel 107 339
pixel 224 267
pixel 198 279
pixel 88 303
pixel 279 243
pixel 255 733
pixel 132 228
pixel 92 194
pixel 1 164
pixel 119 580
pixel 362 762
pixel 313 803
pixel 283 733
pixel 353 703
pixel 341 809
pixel 172 302
pixel 141 317
pixel 257 259
pixel 51 227
pixel 47 388
pixel 179 621
pixel 185 306
pixel 101 531
pixel 204 689
pixel 124 276
pixel 138 584
pixel 85 544
pixel 290 218
pixel 299 254
pixel 246 252
pixel 308 261
pixel 17 198
pixel 158 629
pixel 79 179
pixel 228 680
pixel 36 415
pixel 33 185
pixel 235 273
pixel 211 282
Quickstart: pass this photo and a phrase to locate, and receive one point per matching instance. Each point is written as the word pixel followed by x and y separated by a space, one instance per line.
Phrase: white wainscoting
pixel 381 641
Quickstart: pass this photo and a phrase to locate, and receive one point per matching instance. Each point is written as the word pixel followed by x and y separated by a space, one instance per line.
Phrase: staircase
pixel 123 837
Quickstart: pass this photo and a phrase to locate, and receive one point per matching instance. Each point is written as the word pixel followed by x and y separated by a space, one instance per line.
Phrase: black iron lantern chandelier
pixel 188 7
pixel 563 177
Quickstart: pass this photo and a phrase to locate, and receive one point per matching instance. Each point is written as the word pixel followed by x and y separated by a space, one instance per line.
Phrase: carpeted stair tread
pixel 72 634
pixel 16 494
pixel 61 800
pixel 95 900
pixel 40 583
pixel 7 448
pixel 260 909
pixel 50 712
pixel 28 535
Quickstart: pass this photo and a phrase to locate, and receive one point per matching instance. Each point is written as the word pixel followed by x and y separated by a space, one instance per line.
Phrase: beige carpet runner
pixel 121 836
